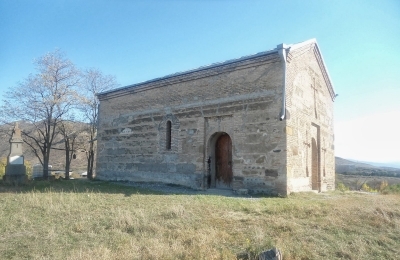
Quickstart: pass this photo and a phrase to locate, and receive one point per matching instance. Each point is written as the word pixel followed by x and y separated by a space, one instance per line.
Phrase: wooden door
pixel 223 154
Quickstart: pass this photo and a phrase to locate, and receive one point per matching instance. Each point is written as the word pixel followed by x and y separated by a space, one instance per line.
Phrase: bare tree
pixel 70 132
pixel 42 100
pixel 94 81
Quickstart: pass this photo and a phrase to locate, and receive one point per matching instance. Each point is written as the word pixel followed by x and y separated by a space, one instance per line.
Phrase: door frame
pixel 211 159
pixel 316 150
pixel 314 165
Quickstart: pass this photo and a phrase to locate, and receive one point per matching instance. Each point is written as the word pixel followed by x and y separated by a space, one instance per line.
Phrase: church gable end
pixel 310 97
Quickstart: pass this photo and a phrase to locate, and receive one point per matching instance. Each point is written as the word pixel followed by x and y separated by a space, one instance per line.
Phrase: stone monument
pixel 15 168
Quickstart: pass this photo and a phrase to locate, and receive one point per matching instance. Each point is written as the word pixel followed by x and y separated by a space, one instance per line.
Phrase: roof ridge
pixel 205 67
pixel 214 65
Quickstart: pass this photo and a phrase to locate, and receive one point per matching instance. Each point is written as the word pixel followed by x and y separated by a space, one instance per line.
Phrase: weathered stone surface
pixel 271 173
pixel 242 191
pixel 242 99
pixel 16 179
pixel 15 169
pixel 272 254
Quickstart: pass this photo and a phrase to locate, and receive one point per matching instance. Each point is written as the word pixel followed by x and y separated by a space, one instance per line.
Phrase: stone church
pixel 259 124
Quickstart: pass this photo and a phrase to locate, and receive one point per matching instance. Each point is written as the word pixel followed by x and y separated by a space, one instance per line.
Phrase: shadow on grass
pixel 74 186
pixel 126 188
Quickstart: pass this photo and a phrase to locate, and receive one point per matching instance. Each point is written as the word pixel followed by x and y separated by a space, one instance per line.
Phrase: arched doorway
pixel 315 178
pixel 220 161
pixel 223 162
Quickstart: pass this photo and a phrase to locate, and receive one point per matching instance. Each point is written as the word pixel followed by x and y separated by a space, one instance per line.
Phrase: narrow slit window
pixel 169 126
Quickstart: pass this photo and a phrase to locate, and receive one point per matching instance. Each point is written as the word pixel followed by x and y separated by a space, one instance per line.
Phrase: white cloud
pixel 375 137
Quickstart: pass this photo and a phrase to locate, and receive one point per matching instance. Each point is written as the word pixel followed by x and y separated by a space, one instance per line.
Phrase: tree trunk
pixel 90 165
pixel 67 159
pixel 46 173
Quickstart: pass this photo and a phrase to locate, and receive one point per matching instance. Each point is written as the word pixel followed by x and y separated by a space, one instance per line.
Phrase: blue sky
pixel 141 40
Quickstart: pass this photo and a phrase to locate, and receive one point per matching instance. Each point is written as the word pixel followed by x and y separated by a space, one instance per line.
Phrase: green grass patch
pixel 392 189
pixel 82 219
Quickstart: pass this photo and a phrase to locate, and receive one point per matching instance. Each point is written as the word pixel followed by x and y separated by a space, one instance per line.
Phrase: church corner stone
pixel 15 172
pixel 260 124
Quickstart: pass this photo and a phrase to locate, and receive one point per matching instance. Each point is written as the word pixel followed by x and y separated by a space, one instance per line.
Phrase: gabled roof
pixel 177 77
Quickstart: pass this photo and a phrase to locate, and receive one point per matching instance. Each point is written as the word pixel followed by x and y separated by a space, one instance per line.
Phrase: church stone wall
pixel 310 107
pixel 165 130
pixel 242 99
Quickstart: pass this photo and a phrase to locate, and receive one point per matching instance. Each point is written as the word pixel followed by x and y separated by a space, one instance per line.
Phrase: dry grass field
pixel 80 219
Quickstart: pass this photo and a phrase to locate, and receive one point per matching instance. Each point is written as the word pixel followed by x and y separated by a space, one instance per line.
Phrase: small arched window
pixel 168 137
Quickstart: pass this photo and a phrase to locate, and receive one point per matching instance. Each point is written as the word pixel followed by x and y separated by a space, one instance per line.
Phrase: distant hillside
pixel 345 166
pixel 344 162
pixel 385 165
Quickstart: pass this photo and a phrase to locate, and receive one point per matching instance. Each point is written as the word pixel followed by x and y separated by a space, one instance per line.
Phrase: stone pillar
pixel 15 168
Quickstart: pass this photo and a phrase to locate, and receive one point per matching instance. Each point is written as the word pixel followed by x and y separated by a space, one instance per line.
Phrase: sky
pixel 141 40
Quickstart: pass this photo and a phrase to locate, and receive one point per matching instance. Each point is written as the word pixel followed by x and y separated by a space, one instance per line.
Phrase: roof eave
pixel 202 68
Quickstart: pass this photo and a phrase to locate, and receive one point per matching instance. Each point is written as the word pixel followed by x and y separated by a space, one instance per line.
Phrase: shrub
pixel 3 163
pixel 366 187
pixel 383 186
pixel 342 187
pixel 392 189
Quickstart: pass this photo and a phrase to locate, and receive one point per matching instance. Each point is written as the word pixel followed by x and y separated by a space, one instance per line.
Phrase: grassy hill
pixel 99 220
